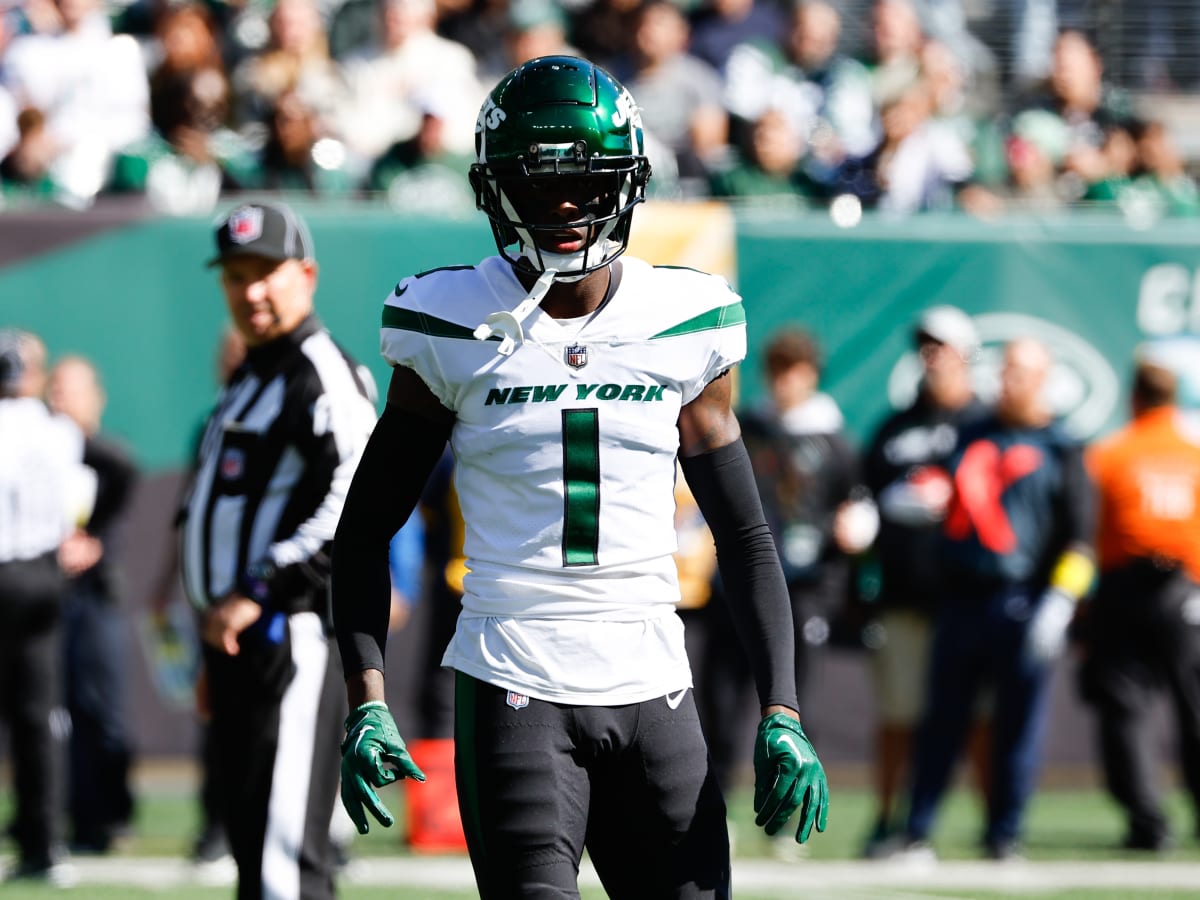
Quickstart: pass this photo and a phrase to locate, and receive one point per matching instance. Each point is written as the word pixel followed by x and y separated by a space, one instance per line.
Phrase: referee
pixel 40 467
pixel 275 460
pixel 1143 631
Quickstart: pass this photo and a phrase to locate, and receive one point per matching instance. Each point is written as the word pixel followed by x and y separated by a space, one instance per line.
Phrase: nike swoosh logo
pixel 400 290
pixel 673 700
pixel 362 734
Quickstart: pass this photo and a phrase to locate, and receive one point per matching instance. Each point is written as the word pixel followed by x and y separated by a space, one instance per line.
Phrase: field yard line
pixel 781 878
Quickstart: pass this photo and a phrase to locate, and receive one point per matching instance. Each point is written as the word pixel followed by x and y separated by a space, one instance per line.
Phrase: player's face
pixel 267 298
pixel 574 202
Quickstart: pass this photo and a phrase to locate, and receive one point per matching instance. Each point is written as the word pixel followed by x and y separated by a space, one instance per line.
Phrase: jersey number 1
pixel 581 483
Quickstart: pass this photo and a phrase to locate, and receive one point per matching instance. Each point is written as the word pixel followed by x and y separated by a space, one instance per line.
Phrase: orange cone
pixel 434 825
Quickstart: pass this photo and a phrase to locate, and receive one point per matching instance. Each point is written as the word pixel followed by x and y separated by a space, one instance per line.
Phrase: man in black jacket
pixel 100 802
pixel 911 496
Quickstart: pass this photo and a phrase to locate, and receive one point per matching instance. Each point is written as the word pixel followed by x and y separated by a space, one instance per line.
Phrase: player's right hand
pixel 373 755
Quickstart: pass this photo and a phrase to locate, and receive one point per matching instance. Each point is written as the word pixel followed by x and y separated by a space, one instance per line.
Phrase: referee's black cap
pixel 271 230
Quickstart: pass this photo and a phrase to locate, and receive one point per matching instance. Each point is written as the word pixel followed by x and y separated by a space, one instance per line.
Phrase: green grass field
pixel 1079 825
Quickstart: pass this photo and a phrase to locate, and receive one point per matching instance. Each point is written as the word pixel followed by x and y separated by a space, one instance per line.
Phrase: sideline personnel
pixel 568 379
pixel 274 465
pixel 41 461
pixel 1143 628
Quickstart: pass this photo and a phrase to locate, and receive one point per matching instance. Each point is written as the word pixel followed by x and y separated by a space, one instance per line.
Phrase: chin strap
pixel 507 325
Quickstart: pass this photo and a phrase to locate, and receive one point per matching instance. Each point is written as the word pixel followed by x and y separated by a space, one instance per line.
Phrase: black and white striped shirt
pixel 45 490
pixel 274 465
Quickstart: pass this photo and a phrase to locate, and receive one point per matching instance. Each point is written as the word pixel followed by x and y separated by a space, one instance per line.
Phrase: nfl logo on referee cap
pixel 517 700
pixel 576 355
pixel 246 224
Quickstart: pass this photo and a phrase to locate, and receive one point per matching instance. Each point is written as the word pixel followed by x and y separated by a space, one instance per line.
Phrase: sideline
pixel 780 878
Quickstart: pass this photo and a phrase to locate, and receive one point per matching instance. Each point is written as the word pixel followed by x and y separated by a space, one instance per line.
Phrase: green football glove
pixel 373 755
pixel 788 776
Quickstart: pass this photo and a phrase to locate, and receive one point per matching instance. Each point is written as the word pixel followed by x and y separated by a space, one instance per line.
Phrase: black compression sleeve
pixel 387 485
pixel 725 491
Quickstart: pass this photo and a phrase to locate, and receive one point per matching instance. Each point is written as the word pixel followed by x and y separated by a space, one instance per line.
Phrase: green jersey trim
pixel 721 317
pixel 411 320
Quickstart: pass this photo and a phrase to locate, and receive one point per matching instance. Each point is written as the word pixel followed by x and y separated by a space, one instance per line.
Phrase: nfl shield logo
pixel 245 224
pixel 517 701
pixel 233 462
pixel 576 355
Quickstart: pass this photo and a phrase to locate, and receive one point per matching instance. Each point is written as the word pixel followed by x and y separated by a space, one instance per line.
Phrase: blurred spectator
pixel 101 744
pixel 88 118
pixel 28 168
pixel 187 38
pixel 678 92
pixel 422 175
pixel 296 59
pixel 720 25
pixel 602 28
pixel 919 165
pixel 825 95
pixel 1162 169
pixel 475 24
pixel 1143 626
pixel 1016 557
pixel 186 168
pixel 901 471
pixel 894 55
pixel 960 105
pixel 299 156
pixel 1034 150
pixel 807 476
pixel 40 458
pixel 1077 94
pixel 768 172
pixel 533 28
pixel 412 61
pixel 1121 158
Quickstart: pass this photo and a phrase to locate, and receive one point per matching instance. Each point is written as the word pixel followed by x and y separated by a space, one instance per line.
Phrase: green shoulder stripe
pixel 721 317
pixel 443 269
pixel 410 320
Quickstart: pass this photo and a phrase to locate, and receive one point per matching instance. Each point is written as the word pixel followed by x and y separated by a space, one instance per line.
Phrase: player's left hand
pixel 373 755
pixel 788 776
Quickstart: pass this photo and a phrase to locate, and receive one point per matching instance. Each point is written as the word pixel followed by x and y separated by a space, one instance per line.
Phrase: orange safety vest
pixel 1147 477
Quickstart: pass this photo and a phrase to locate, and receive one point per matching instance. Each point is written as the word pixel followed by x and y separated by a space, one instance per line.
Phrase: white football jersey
pixel 565 469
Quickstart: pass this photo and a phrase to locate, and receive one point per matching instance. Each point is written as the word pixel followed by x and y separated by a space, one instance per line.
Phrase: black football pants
pixel 277 711
pixel 539 781
pixel 31 596
pixel 1144 638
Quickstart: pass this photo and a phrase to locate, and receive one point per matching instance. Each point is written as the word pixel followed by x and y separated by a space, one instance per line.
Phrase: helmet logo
pixel 576 355
pixel 490 116
pixel 626 108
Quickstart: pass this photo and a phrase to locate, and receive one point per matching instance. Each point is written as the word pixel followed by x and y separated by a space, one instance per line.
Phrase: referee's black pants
pixel 1144 637
pixel 277 712
pixel 31 597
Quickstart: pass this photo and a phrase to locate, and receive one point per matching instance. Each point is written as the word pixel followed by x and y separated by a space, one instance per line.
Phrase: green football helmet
pixel 559 117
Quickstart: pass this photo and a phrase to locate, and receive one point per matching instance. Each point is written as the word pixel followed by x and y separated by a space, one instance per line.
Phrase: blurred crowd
pixel 892 105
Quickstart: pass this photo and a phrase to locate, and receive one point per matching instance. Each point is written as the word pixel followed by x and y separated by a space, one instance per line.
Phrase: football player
pixel 568 378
